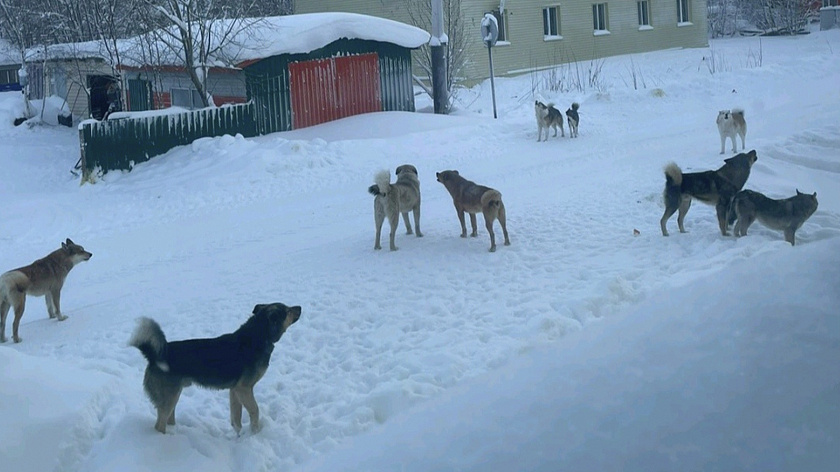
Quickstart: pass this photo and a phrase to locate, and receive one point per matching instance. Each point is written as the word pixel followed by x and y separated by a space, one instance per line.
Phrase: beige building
pixel 536 34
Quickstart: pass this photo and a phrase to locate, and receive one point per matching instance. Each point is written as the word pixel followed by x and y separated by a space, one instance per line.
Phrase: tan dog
pixel 473 198
pixel 42 277
pixel 392 199
pixel 731 123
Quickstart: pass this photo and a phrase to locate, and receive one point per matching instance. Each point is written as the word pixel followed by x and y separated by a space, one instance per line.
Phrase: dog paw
pixel 493 249
pixel 395 248
pixel 61 317
pixel 419 234
pixel 376 248
pixel 17 339
pixel 255 428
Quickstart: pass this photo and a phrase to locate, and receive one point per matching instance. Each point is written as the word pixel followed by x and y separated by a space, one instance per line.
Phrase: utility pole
pixel 437 43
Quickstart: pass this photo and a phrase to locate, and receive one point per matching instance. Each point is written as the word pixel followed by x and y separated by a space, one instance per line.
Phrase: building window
pixel 8 76
pixel 644 12
pixel 186 98
pixel 683 10
pixel 551 22
pixel 599 17
pixel 501 19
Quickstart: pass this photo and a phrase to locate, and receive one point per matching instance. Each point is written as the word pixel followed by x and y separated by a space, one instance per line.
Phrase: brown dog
pixel 473 198
pixel 43 277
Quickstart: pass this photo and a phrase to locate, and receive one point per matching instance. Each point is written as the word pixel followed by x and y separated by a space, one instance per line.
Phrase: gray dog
pixel 786 215
pixel 392 199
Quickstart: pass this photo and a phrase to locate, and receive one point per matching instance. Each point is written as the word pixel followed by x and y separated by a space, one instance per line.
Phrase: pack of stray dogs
pixel 723 188
pixel 237 361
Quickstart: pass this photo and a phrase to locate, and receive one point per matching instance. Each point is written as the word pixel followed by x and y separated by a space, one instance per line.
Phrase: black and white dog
pixel 547 117
pixel 574 119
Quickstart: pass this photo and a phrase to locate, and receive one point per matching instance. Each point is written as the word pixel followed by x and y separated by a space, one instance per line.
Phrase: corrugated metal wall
pixel 268 81
pixel 329 89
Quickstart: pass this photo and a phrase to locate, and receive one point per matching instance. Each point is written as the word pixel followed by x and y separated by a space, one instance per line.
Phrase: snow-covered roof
pixel 263 37
pixel 8 54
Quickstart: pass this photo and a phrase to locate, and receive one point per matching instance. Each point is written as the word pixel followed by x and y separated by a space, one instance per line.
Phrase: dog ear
pixel 258 308
pixel 798 192
pixel 69 242
pixel 455 172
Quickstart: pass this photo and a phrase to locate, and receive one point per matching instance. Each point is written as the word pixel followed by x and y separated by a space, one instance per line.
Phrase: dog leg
pixel 463 223
pixel 235 412
pixel 246 396
pixel 4 312
pixel 20 305
pixel 488 223
pixel 166 410
pixel 721 208
pixel 474 233
pixel 56 298
pixel 790 235
pixel 416 212
pixel 50 306
pixel 722 143
pixel 394 221
pixel 407 223
pixel 685 204
pixel 379 216
pixel 503 222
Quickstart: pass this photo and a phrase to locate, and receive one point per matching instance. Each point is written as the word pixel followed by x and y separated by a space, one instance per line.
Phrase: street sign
pixel 489 30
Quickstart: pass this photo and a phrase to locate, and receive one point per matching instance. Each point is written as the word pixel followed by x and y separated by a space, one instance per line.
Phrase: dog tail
pixel 492 199
pixel 575 106
pixel 673 182
pixel 673 175
pixel 737 111
pixel 150 340
pixel 382 185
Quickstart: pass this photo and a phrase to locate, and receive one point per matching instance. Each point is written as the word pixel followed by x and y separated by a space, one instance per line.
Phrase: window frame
pixel 600 17
pixel 643 6
pixel 549 12
pixel 683 12
pixel 195 98
pixel 501 20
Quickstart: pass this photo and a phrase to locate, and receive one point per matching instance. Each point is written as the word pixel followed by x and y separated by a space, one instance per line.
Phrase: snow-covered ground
pixel 578 347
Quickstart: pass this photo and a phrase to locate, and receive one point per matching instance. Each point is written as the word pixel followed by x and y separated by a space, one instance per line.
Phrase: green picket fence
pixel 119 144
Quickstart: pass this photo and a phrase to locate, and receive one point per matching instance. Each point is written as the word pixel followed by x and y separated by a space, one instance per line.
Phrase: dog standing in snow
pixel 730 124
pixel 547 117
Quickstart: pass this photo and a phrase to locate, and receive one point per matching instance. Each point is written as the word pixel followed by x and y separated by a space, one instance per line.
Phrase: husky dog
pixel 715 187
pixel 574 119
pixel 473 198
pixel 43 277
pixel 730 124
pixel 786 215
pixel 392 199
pixel 235 361
pixel 547 117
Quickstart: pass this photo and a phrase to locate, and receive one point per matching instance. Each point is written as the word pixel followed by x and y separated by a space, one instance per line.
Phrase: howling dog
pixel 234 361
pixel 786 215
pixel 392 199
pixel 547 117
pixel 574 119
pixel 730 124
pixel 714 187
pixel 473 198
pixel 43 277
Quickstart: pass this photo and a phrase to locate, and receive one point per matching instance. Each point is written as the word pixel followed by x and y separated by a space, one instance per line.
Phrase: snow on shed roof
pixel 263 37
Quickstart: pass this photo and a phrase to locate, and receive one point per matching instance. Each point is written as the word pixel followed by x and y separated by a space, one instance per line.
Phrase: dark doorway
pixel 104 93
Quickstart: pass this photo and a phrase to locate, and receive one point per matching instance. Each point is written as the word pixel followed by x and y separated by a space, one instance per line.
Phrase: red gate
pixel 328 89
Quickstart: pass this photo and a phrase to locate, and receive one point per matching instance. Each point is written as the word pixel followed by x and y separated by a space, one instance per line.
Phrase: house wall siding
pixel 528 48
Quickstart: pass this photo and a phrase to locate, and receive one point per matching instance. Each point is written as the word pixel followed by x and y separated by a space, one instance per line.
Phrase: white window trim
pixel 645 28
pixel 601 33
pixel 552 38
pixel 684 23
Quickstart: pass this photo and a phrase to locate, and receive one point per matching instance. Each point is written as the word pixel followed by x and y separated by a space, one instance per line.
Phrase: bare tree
pixel 198 31
pixel 419 14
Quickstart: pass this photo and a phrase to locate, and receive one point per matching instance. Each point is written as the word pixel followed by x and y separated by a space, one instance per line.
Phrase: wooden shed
pixel 331 66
